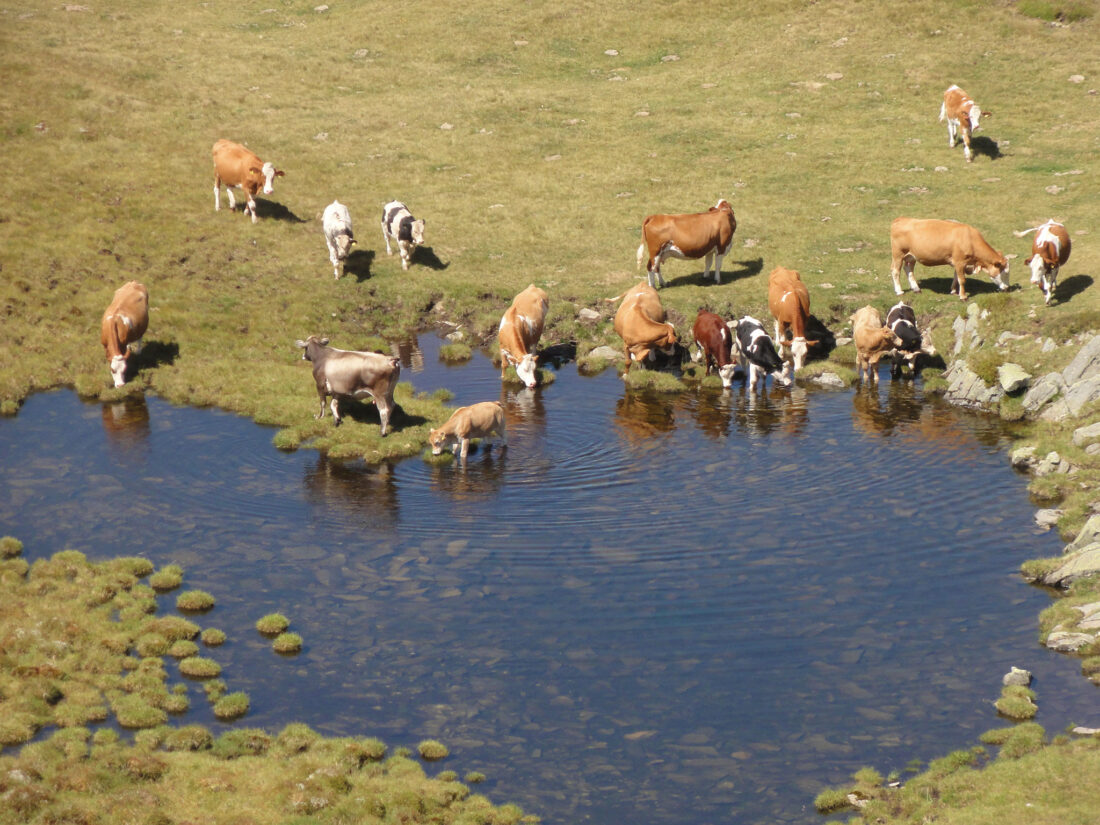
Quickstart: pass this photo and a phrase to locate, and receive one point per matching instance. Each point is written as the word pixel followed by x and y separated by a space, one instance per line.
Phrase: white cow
pixel 336 223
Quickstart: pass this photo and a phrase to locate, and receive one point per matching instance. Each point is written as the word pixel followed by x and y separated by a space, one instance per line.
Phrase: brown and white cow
pixel 123 325
pixel 789 302
pixel 938 243
pixel 640 322
pixel 715 341
pixel 519 333
pixel 874 341
pixel 707 235
pixel 1049 252
pixel 963 117
pixel 475 421
pixel 236 166
pixel 348 373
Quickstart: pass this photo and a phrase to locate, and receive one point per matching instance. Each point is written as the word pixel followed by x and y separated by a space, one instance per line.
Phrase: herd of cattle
pixel 723 346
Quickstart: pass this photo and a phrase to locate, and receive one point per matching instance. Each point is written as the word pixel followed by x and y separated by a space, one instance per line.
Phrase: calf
pixel 347 373
pixel 756 349
pixel 336 223
pixel 399 224
pixel 873 340
pixel 963 117
pixel 714 339
pixel 912 343
pixel 123 325
pixel 935 243
pixel 236 166
pixel 475 421
pixel 640 322
pixel 789 302
pixel 1049 252
pixel 707 235
pixel 519 333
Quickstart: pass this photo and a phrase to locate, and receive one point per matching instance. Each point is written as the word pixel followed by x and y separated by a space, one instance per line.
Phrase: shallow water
pixel 648 609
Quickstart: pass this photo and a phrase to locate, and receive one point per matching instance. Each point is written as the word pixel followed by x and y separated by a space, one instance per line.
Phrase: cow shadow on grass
pixel 1071 287
pixel 425 256
pixel 740 269
pixel 272 210
pixel 975 285
pixel 358 264
pixel 981 145
pixel 366 412
pixel 153 354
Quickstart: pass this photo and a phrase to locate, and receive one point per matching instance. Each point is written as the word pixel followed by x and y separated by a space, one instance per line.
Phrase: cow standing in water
pixel 124 324
pixel 757 351
pixel 715 341
pixel 519 333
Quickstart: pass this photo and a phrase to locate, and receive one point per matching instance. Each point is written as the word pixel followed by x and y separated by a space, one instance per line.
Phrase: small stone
pixel 1047 518
pixel 320 9
pixel 1081 730
pixel 1017 676
pixel 611 52
pixel 829 379
pixel 670 58
pixel 1076 78
pixel 446 127
pixel 1012 378
pixel 1067 642
pixel 587 314
pixel 833 76
pixel 1023 457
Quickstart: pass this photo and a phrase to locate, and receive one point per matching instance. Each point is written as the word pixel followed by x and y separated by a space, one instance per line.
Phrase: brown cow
pixel 873 339
pixel 713 337
pixel 789 302
pixel 341 372
pixel 935 243
pixel 640 322
pixel 707 235
pixel 963 117
pixel 519 333
pixel 475 421
pixel 1049 252
pixel 234 165
pixel 124 323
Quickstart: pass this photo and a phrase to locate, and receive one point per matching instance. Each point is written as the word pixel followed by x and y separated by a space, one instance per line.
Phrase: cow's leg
pixel 718 267
pixel 911 264
pixel 403 248
pixel 951 138
pixel 960 279
pixel 465 449
pixel 217 192
pixel 333 405
pixel 708 259
pixel 966 144
pixel 895 273
pixel 251 207
pixel 1049 280
pixel 334 259
pixel 386 238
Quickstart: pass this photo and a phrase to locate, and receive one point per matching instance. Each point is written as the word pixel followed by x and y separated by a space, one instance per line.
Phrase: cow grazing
pixel 874 341
pixel 399 224
pixel 236 166
pixel 346 373
pixel 707 235
pixel 336 223
pixel 789 302
pixel 715 341
pixel 1049 252
pixel 936 243
pixel 640 322
pixel 519 333
pixel 963 117
pixel 756 350
pixel 124 323
pixel 475 421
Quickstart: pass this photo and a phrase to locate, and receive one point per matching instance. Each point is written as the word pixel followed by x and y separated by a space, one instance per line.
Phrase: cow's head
pixel 118 368
pixel 269 173
pixel 998 271
pixel 908 336
pixel 975 117
pixel 525 369
pixel 727 373
pixel 417 230
pixel 344 242
pixel 439 440
pixel 305 345
pixel 800 349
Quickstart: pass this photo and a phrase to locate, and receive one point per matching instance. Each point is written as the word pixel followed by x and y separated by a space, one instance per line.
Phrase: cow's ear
pixel 252 170
pixel 323 342
pixel 300 344
pixel 987 113
pixel 279 173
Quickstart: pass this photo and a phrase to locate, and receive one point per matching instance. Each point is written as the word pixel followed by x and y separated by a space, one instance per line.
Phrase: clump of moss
pixel 592 364
pixel 1017 702
pixel 215 689
pixel 287 440
pixel 455 353
pixel 432 750
pixel 640 379
pixel 1035 569
pixel 188 738
pixel 135 565
pixel 1025 738
pixel 442 460
pixel 366 750
pixel 194 601
pixel 232 705
pixel 183 649
pixel 831 800
pixel 16 728
pixel 474 777
pixel 176 703
pixel 198 667
pixel 151 644
pixel 287 643
pixel 542 377
pixel 213 637
pixel 167 578
pixel 240 742
pixel 173 627
pixel 296 737
pixel 10 547
pixel 272 624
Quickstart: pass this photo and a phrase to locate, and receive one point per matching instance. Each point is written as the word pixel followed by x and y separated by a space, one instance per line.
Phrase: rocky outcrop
pixel 966 389
pixel 1057 396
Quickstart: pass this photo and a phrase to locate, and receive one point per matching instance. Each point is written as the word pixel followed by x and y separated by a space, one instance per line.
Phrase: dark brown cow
pixel 706 235
pixel 1049 252
pixel 789 302
pixel 341 372
pixel 234 165
pixel 936 243
pixel 640 322
pixel 124 323
pixel 713 337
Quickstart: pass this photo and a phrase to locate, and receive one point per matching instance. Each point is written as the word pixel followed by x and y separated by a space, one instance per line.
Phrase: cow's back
pixel 929 240
pixel 232 161
pixel 641 303
pixel 782 282
pixel 131 300
pixel 532 305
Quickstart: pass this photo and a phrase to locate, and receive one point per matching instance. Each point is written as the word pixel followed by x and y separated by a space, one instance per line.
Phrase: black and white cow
pixel 336 223
pixel 902 321
pixel 399 224
pixel 756 349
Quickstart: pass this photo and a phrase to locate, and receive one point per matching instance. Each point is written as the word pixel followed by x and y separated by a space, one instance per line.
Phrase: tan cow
pixel 236 166
pixel 707 235
pixel 938 243
pixel 640 322
pixel 963 117
pixel 1049 252
pixel 348 373
pixel 873 340
pixel 789 302
pixel 475 421
pixel 124 323
pixel 519 333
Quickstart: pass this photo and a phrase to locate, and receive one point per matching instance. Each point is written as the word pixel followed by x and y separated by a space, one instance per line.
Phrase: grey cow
pixel 341 372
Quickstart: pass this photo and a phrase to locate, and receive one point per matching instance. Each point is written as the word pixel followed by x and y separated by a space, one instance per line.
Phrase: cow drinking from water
pixel 236 166
pixel 336 223
pixel 938 243
pixel 640 322
pixel 963 118
pixel 399 224
pixel 519 333
pixel 479 420
pixel 911 342
pixel 1049 252
pixel 789 302
pixel 874 341
pixel 347 373
pixel 124 323
pixel 715 341
pixel 707 235
pixel 757 351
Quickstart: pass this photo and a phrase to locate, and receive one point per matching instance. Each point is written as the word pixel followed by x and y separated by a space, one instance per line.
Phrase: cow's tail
pixel 1023 232
pixel 641 253
pixel 615 299
pixel 943 111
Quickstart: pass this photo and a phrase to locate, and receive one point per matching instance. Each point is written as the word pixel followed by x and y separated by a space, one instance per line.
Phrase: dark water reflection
pixel 649 609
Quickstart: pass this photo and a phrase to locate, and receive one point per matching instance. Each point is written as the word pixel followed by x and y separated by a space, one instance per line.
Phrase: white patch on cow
pixel 727 374
pixel 799 350
pixel 525 369
pixel 118 370
pixel 332 406
pixel 269 177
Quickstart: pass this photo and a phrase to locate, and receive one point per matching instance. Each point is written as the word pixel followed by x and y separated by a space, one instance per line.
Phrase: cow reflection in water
pixel 875 415
pixel 410 355
pixel 126 424
pixel 479 480
pixel 641 416
pixel 365 495
pixel 760 414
